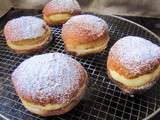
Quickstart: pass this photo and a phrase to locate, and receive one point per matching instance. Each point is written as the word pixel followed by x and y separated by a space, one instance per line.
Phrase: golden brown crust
pixel 50 22
pixel 133 90
pixel 85 33
pixel 61 6
pixel 88 48
pixel 133 56
pixel 25 27
pixel 63 110
pixel 62 18
pixel 82 29
pixel 59 111
pixel 76 39
pixel 69 13
pixel 115 65
pixel 51 100
pixel 37 93
pixel 47 13
pixel 27 34
pixel 33 50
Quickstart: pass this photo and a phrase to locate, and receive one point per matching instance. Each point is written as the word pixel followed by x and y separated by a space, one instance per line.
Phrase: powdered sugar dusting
pixel 90 24
pixel 26 27
pixel 136 53
pixel 60 6
pixel 47 76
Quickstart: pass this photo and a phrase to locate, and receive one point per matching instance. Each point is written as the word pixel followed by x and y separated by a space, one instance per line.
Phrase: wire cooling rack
pixel 103 100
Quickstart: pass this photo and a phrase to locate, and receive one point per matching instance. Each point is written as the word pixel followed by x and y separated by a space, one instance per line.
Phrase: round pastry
pixel 59 11
pixel 27 34
pixel 50 84
pixel 85 34
pixel 134 64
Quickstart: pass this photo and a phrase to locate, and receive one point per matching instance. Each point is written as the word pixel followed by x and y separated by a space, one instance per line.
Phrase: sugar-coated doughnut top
pixel 52 77
pixel 84 27
pixel 92 23
pixel 61 6
pixel 136 54
pixel 26 27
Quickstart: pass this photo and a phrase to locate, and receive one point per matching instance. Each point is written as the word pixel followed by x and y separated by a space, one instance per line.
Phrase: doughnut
pixel 85 34
pixel 50 84
pixel 134 64
pixel 27 34
pixel 59 11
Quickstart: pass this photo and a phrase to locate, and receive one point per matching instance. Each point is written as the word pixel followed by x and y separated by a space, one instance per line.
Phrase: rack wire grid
pixel 103 100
